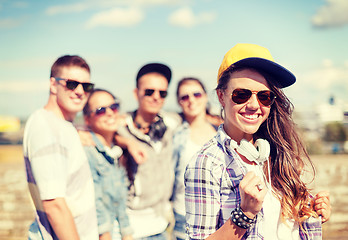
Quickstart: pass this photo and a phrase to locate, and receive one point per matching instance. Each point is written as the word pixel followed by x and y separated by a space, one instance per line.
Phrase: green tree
pixel 335 132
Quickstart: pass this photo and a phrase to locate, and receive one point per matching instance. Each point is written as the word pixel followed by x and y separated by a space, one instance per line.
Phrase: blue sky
pixel 117 37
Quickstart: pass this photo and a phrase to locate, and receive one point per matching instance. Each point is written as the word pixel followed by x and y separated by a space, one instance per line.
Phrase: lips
pixel 77 100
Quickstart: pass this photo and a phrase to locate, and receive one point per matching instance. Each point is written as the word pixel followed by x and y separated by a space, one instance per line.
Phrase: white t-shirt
pixel 57 166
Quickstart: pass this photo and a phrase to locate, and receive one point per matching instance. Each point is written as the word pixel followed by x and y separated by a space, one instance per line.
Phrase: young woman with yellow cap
pixel 246 182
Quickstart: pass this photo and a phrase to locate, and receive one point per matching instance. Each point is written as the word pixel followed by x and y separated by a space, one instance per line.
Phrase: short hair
pixel 86 110
pixel 68 61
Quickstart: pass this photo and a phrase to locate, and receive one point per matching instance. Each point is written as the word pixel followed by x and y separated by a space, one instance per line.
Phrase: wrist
pixel 241 220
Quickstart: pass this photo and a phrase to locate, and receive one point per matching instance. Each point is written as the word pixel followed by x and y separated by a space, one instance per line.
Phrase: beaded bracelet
pixel 240 219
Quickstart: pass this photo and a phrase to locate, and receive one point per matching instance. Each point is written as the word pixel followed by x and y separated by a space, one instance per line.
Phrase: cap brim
pixel 281 76
pixel 155 67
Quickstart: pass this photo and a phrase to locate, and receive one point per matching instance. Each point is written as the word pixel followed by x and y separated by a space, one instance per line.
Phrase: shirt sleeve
pixel 49 160
pixel 202 197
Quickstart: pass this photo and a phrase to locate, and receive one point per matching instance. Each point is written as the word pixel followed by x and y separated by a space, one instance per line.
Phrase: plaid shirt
pixel 212 192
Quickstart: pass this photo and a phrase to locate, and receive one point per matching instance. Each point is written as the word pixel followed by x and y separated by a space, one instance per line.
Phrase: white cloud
pixel 68 8
pixel 184 17
pixel 327 76
pixel 9 23
pixel 333 14
pixel 24 86
pixel 116 17
pixel 100 4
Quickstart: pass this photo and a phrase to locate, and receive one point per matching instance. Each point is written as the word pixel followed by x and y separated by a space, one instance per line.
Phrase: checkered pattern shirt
pixel 212 192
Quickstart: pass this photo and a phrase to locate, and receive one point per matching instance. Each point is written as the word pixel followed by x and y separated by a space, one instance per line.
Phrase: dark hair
pixel 288 153
pixel 68 61
pixel 187 79
pixel 86 109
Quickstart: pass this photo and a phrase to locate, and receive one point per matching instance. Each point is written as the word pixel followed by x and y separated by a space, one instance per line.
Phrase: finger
pixel 323 194
pixel 320 206
pixel 322 201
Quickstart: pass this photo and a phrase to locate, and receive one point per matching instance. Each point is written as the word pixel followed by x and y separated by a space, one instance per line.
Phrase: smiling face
pixel 106 123
pixel 192 99
pixel 69 101
pixel 243 120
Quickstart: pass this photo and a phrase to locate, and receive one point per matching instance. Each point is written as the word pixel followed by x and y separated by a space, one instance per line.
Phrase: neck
pixel 105 138
pixel 196 120
pixel 53 106
pixel 237 135
pixel 144 119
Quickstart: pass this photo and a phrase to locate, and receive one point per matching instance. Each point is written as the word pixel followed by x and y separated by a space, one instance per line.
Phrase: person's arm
pixel 60 218
pixel 105 236
pixel 251 203
pixel 203 181
pixel 134 148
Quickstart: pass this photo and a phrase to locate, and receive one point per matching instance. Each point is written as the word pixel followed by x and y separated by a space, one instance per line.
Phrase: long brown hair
pixel 288 156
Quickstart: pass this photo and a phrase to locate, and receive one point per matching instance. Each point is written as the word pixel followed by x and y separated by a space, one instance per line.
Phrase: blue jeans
pixel 180 227
pixel 160 236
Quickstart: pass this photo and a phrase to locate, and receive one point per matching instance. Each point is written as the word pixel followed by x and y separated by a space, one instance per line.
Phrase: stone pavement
pixel 16 209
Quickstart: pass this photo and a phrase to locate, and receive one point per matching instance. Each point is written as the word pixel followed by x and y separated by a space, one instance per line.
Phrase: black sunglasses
pixel 72 84
pixel 241 95
pixel 102 110
pixel 149 92
pixel 187 96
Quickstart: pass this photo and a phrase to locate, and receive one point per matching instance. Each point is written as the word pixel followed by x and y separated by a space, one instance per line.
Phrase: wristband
pixel 240 219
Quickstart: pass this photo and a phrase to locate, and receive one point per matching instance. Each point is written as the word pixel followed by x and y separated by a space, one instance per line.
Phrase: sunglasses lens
pixel 240 96
pixel 114 107
pixel 70 84
pixel 197 95
pixel 266 97
pixel 163 94
pixel 184 98
pixel 100 111
pixel 88 87
pixel 149 92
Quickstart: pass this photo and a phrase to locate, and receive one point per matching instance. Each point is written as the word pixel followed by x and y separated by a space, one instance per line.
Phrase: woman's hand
pixel 137 151
pixel 86 138
pixel 128 237
pixel 105 236
pixel 252 191
pixel 322 205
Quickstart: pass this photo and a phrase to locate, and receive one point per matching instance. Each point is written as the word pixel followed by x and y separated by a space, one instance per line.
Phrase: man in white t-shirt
pixel 58 173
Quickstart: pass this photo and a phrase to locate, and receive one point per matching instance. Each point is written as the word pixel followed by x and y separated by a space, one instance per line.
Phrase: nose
pixel 79 90
pixel 110 112
pixel 156 94
pixel 253 102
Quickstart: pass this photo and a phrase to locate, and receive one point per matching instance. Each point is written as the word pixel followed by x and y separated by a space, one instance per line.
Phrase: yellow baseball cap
pixel 255 56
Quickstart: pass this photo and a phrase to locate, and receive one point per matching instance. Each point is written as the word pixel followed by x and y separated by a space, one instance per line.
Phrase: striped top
pixel 56 166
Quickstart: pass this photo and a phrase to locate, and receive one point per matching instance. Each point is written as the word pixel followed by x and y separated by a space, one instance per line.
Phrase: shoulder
pixel 209 157
pixel 171 119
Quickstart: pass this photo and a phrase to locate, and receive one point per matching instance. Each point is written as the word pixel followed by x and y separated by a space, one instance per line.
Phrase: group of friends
pixel 135 175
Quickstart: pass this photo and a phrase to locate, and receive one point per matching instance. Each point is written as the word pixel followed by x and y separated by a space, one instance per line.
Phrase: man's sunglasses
pixel 149 92
pixel 72 84
pixel 241 95
pixel 186 97
pixel 102 110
